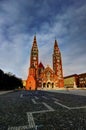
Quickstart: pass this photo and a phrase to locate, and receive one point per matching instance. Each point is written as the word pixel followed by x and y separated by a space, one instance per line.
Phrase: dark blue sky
pixel 64 20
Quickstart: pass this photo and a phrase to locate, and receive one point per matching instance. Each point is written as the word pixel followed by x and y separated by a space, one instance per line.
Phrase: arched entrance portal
pixel 48 85
pixel 52 85
pixel 44 85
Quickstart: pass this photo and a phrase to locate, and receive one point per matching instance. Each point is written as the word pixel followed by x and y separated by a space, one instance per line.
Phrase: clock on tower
pixel 34 58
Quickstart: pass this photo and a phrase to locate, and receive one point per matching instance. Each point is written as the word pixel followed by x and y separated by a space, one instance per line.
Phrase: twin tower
pixel 41 77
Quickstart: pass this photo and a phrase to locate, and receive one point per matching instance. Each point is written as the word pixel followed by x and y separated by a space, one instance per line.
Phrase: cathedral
pixel 41 77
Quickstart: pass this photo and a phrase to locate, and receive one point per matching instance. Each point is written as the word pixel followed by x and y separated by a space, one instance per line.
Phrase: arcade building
pixel 41 77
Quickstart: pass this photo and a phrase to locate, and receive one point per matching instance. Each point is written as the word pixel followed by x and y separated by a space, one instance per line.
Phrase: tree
pixel 8 81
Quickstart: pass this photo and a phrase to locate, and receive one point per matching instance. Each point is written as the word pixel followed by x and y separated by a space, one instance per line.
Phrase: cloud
pixel 70 29
pixel 19 20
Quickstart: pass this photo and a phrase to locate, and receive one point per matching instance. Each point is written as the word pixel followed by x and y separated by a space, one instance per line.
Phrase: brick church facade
pixel 41 77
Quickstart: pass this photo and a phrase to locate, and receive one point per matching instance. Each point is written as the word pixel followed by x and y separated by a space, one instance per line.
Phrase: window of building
pixel 81 79
pixel 44 85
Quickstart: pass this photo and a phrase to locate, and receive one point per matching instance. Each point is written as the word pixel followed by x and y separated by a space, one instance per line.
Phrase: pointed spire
pixel 56 48
pixel 34 42
pixel 55 44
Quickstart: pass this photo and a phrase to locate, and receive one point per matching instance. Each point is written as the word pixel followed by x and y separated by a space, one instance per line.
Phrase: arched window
pixel 48 84
pixel 44 85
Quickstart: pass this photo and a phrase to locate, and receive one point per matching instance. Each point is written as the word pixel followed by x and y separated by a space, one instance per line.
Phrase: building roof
pixel 41 65
pixel 48 68
pixel 73 75
pixel 82 74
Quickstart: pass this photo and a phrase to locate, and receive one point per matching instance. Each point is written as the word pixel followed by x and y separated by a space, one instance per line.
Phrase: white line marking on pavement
pixel 36 97
pixel 19 128
pixel 49 107
pixel 62 105
pixel 44 97
pixel 33 100
pixel 5 92
pixel 43 111
pixel 30 120
pixel 21 95
pixel 55 99
pixel 82 107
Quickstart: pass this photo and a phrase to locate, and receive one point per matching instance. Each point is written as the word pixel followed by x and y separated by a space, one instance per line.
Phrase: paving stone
pixel 46 114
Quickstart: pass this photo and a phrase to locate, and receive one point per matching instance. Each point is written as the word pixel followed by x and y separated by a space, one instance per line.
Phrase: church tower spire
pixel 34 55
pixel 33 70
pixel 57 62
pixel 34 42
pixel 56 58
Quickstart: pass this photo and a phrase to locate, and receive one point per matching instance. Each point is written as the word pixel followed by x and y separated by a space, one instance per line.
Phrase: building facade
pixel 40 77
pixel 71 81
pixel 82 80
pixel 75 81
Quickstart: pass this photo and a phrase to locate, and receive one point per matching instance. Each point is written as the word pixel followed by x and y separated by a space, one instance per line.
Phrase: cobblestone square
pixel 42 110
